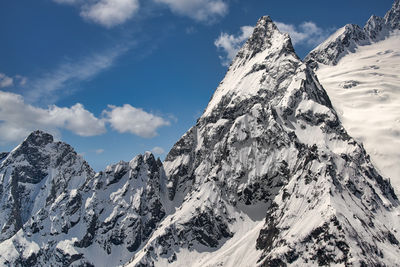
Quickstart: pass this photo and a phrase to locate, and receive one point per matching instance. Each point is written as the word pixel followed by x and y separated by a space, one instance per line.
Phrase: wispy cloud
pixel 99 151
pixel 18 119
pixel 67 75
pixel 307 33
pixel 110 13
pixel 158 150
pixel 199 10
pixel 231 43
pixel 107 13
pixel 21 80
pixel 128 119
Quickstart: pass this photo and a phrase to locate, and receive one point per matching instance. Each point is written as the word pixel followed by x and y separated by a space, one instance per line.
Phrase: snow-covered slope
pixel 364 86
pixel 268 176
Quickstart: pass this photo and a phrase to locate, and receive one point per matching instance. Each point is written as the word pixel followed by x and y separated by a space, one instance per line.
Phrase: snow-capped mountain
pixel 268 176
pixel 55 211
pixel 363 83
pixel 33 175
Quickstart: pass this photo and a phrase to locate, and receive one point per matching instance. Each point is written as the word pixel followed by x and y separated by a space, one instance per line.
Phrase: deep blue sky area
pixel 144 72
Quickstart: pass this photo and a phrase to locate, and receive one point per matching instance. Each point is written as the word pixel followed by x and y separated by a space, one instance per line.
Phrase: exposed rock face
pixel 348 38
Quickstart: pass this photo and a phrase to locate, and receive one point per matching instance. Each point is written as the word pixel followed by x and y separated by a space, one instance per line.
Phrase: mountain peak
pixel 265 36
pixel 263 54
pixel 39 138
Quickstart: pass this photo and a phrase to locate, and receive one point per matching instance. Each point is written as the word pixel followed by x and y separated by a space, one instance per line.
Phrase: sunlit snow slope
pixel 365 90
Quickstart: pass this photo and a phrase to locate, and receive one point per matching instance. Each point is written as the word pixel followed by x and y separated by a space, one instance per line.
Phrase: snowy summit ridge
pixel 268 176
pixel 348 38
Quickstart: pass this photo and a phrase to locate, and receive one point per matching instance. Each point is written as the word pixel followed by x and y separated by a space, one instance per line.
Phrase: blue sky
pixel 115 78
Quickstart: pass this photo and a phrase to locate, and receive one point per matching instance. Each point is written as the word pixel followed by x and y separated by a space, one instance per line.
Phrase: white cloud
pixel 5 81
pixel 200 10
pixel 158 150
pixel 306 33
pixel 128 119
pixel 231 44
pixel 52 85
pixel 99 151
pixel 108 13
pixel 18 119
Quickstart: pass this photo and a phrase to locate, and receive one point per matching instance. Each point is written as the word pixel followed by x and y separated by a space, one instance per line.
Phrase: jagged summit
pixel 39 138
pixel 267 50
pixel 265 35
pixel 392 17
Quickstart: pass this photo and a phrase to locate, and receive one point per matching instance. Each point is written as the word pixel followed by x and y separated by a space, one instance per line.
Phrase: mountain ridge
pixel 349 37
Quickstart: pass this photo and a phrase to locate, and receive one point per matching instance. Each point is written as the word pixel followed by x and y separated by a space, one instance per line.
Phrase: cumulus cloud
pixel 200 10
pixel 307 33
pixel 18 119
pixel 6 81
pixel 231 43
pixel 128 119
pixel 158 150
pixel 51 86
pixel 108 13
